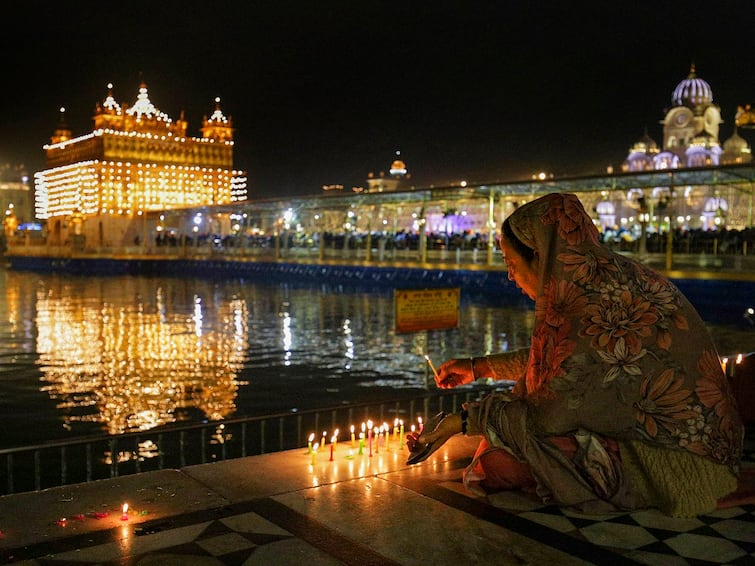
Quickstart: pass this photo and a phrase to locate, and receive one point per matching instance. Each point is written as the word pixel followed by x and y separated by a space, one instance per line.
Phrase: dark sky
pixel 325 92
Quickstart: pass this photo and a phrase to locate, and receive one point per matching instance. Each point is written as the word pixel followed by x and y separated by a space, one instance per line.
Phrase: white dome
pixel 692 91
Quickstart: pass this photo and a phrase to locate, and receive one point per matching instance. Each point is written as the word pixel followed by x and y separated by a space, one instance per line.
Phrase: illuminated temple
pixel 136 160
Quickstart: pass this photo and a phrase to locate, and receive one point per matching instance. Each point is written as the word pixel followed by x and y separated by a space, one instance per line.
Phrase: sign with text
pixel 426 309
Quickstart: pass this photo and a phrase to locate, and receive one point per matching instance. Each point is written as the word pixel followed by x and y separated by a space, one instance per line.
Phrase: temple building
pixel 15 198
pixel 397 178
pixel 135 160
pixel 691 127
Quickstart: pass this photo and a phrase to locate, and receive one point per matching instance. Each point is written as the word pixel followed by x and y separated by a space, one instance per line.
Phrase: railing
pixel 32 468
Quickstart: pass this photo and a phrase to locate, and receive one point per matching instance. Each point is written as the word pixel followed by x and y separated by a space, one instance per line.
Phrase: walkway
pixel 279 508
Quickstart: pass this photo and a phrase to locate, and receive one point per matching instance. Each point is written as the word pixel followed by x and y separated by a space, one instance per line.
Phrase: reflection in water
pixel 132 363
pixel 116 354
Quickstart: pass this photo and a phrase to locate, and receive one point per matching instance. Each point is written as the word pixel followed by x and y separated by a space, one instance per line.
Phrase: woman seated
pixel 620 402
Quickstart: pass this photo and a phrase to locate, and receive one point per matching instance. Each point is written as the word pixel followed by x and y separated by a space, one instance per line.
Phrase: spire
pixel 62 132
pixel 110 105
pixel 217 126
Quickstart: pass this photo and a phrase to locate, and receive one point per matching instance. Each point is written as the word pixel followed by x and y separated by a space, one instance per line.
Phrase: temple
pixel 135 160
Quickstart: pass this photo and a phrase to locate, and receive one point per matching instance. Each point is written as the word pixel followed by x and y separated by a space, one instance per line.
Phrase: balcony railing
pixel 32 468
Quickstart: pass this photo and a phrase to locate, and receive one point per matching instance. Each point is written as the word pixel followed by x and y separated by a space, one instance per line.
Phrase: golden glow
pixel 133 367
pixel 139 159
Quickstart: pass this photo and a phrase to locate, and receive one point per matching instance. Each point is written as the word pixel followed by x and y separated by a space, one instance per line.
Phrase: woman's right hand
pixel 454 372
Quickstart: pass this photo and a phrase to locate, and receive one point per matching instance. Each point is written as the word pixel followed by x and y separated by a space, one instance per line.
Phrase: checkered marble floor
pixel 266 530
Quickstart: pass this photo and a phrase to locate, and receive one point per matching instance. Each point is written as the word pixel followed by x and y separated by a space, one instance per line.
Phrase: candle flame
pixel 125 508
pixel 311 437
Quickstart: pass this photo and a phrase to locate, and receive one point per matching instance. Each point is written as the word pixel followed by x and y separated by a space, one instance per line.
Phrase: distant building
pixel 135 160
pixel 15 198
pixel 396 179
pixel 691 128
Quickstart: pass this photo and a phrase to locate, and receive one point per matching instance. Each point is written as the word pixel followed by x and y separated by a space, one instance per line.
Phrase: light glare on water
pixel 87 355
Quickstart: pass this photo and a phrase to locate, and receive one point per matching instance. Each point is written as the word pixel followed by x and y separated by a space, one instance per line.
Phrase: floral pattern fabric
pixel 616 348
pixel 618 359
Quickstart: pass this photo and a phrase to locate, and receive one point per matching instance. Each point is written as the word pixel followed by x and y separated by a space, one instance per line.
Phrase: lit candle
pixel 432 367
pixel 378 430
pixel 332 446
pixel 62 522
pixel 421 426
pixel 314 453
pixel 309 443
pixel 324 435
pixel 361 443
pixel 401 434
pixel 369 435
pixel 334 440
pixel 395 430
pixel 124 512
pixel 353 440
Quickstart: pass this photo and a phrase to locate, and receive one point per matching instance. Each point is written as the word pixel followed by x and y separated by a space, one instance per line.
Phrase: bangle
pixel 464 415
pixel 471 363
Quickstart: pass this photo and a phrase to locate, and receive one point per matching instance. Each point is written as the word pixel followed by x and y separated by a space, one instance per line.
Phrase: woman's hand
pixel 454 373
pixel 437 437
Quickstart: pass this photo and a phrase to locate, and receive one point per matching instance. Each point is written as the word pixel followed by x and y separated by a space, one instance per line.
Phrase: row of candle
pixel 371 437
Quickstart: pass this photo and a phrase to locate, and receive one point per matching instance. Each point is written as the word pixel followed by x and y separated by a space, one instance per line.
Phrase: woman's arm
pixel 506 366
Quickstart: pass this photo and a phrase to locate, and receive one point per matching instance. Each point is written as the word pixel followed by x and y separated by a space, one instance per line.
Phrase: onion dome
pixel 143 108
pixel 217 126
pixel 109 104
pixel 692 91
pixel 645 144
pixel 736 143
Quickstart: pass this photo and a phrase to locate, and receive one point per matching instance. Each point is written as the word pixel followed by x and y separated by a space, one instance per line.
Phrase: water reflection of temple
pixel 139 364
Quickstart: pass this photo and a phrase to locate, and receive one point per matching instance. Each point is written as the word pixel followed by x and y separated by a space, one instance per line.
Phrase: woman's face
pixel 521 271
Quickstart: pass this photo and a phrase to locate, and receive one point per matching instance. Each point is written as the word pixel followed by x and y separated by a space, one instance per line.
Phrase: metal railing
pixel 85 459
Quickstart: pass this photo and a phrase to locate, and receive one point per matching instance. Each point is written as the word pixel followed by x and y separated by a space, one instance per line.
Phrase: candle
pixel 331 451
pixel 324 434
pixel 124 512
pixel 378 430
pixel 332 446
pixel 309 443
pixel 401 435
pixel 353 440
pixel 432 367
pixel 361 443
pixel 315 446
pixel 334 440
pixel 421 426
pixel 369 435
pixel 395 430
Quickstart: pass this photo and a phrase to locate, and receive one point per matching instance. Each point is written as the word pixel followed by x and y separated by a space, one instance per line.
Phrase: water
pixel 91 355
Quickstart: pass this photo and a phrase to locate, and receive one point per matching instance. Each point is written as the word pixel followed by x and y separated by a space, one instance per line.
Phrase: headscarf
pixel 616 347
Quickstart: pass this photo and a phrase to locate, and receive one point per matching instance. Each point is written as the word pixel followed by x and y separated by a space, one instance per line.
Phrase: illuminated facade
pixel 15 198
pixel 135 160
pixel 690 139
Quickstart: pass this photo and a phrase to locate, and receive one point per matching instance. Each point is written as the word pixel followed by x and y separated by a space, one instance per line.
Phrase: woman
pixel 620 402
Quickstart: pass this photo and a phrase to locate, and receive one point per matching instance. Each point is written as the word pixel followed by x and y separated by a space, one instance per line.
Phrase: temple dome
pixel 692 91
pixel 736 143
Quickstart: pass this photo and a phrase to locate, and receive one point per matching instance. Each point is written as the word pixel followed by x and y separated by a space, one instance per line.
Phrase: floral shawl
pixel 616 349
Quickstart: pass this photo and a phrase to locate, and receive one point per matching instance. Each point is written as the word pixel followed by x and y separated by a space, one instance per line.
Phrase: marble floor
pixel 283 509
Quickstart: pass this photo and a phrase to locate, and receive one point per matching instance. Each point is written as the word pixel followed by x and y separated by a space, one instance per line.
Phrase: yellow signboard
pixel 426 309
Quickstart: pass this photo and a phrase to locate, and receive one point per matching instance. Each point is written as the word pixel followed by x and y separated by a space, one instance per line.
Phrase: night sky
pixel 324 92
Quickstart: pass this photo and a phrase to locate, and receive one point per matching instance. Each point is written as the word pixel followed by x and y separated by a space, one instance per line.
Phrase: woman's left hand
pixel 448 427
